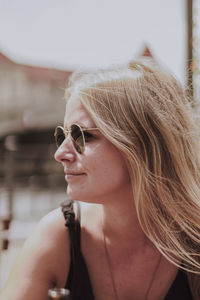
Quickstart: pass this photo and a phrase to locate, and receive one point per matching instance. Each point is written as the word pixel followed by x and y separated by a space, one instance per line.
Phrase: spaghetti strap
pixel 73 223
pixel 68 212
pixel 78 281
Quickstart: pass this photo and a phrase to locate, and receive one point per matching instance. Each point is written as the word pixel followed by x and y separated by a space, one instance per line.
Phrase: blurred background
pixel 41 43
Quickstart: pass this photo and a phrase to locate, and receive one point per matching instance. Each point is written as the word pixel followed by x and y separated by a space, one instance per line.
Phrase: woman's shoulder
pixel 53 222
pixel 49 229
pixel 43 260
pixel 49 242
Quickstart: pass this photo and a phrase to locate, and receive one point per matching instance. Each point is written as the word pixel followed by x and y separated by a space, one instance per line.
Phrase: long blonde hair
pixel 145 113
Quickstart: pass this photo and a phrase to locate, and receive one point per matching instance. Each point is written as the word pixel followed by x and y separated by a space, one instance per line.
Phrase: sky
pixel 70 34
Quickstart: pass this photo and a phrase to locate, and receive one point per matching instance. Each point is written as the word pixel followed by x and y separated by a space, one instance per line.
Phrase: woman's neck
pixel 120 224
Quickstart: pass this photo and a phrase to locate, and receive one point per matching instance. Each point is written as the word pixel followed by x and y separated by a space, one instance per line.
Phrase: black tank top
pixel 78 281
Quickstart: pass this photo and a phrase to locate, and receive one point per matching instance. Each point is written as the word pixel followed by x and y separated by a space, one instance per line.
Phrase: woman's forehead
pixel 73 106
pixel 76 113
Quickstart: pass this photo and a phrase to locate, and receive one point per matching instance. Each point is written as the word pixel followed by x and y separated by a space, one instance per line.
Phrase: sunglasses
pixel 77 134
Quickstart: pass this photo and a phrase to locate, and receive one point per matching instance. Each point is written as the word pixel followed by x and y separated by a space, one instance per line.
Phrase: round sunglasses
pixel 77 134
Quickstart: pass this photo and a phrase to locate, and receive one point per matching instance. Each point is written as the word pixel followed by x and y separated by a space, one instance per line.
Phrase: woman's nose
pixel 65 151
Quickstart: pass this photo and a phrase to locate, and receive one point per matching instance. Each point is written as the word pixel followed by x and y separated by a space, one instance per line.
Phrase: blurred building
pixel 31 105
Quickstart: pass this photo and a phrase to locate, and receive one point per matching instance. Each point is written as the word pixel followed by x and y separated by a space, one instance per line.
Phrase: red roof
pixel 38 73
pixel 4 58
pixel 146 52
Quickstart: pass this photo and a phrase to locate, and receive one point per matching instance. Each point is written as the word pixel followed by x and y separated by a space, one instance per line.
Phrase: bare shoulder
pixel 49 244
pixel 53 223
pixel 50 234
pixel 43 260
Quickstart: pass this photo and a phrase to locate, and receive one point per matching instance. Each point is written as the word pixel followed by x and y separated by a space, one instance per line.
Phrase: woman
pixel 129 147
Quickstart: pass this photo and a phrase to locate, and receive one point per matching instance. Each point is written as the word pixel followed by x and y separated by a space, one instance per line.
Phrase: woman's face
pixel 100 172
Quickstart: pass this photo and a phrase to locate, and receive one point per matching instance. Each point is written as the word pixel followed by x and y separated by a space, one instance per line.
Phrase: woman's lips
pixel 73 175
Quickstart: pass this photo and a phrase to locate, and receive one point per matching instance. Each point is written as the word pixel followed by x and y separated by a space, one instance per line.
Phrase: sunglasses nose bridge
pixel 67 138
pixel 74 134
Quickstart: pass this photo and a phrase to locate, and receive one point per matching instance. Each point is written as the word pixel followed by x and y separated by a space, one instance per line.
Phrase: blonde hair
pixel 145 113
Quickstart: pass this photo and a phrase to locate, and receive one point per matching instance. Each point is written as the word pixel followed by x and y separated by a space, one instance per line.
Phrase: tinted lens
pixel 59 136
pixel 78 138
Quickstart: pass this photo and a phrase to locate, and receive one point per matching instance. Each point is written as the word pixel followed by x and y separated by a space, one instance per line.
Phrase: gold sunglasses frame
pixel 66 132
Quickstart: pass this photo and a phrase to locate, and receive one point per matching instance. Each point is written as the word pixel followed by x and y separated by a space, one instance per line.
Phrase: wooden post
pixel 189 11
pixel 10 146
